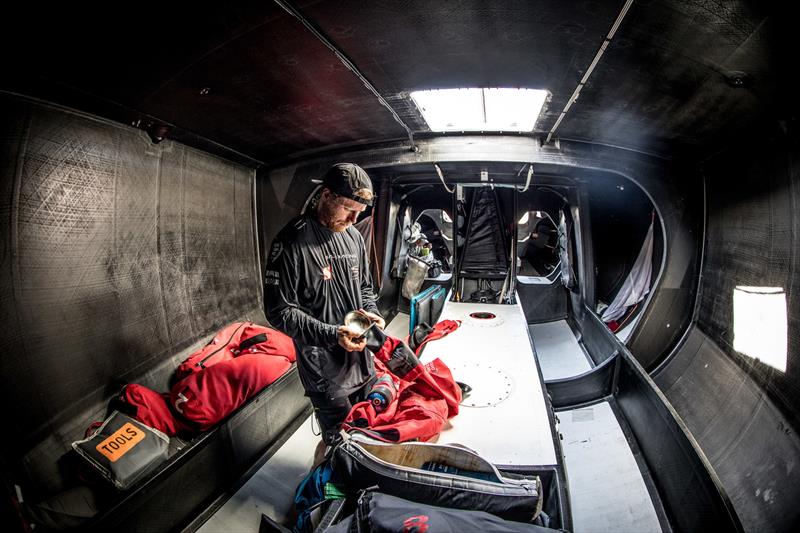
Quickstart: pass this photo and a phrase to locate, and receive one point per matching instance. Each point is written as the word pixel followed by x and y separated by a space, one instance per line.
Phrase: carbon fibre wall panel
pixel 117 253
pixel 752 240
pixel 746 439
pixel 743 412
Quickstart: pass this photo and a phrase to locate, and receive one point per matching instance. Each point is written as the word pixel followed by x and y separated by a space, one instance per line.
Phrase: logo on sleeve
pixel 272 277
pixel 327 273
pixel 275 252
pixel 416 524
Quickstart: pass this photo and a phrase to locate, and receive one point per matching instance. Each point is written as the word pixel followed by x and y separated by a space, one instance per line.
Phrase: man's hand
pixel 379 321
pixel 347 339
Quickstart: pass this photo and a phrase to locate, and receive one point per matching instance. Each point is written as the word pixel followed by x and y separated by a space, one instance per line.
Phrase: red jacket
pixel 440 329
pixel 427 396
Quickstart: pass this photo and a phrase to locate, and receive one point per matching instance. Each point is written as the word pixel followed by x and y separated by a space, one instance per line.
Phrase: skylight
pixel 480 109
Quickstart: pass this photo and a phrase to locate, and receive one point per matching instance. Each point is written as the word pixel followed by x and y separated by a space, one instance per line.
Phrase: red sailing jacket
pixel 440 329
pixel 427 396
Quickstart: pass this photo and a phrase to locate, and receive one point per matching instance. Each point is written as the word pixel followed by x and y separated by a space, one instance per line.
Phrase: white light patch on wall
pixel 480 109
pixel 759 324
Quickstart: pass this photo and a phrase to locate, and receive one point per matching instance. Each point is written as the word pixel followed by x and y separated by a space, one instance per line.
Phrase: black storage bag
pixel 382 513
pixel 438 474
pixel 123 450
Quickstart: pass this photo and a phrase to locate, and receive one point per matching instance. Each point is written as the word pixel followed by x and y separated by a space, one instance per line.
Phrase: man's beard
pixel 325 214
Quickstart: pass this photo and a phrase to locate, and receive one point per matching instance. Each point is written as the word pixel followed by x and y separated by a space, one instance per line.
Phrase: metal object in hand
pixel 359 322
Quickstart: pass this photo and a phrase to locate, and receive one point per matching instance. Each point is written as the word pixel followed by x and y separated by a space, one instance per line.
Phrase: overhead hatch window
pixel 514 110
pixel 759 324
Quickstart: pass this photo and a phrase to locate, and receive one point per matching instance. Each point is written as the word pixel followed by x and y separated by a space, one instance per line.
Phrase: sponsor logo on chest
pixel 342 264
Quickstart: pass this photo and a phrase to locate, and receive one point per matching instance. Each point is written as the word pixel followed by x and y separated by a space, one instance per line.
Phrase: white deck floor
pixel 505 418
pixel 557 350
pixel 607 492
pixel 398 327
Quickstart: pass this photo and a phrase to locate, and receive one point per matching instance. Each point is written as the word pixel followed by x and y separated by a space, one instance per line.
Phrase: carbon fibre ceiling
pixel 250 77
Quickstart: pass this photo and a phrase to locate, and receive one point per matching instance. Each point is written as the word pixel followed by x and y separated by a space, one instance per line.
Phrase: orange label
pixel 121 442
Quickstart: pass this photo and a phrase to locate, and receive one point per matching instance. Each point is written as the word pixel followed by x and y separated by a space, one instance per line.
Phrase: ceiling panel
pixel 248 76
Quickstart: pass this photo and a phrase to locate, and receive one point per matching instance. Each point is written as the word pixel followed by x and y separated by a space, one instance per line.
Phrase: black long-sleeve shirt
pixel 313 278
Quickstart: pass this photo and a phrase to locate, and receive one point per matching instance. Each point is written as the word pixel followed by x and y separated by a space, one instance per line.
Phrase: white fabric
pixel 637 284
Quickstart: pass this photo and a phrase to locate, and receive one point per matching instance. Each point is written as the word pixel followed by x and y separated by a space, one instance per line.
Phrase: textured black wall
pixel 744 413
pixel 116 253
pixel 753 238
pixel 747 440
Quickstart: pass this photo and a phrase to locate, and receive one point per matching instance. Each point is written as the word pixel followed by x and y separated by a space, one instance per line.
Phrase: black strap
pixel 332 513
pixel 252 341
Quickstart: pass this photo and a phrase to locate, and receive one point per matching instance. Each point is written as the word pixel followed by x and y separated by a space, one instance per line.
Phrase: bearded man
pixel 316 273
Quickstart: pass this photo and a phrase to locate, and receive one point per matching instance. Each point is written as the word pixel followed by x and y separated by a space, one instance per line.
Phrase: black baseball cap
pixel 346 179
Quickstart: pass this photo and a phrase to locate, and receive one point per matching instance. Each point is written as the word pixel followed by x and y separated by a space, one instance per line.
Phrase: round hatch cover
pixel 490 385
pixel 484 319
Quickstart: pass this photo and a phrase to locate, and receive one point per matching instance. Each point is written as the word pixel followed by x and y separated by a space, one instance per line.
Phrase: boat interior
pixel 620 271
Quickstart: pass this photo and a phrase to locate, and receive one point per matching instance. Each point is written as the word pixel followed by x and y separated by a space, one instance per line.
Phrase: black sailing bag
pixel 438 474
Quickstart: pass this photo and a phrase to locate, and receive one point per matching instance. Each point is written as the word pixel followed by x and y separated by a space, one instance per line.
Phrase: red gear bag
pixel 235 339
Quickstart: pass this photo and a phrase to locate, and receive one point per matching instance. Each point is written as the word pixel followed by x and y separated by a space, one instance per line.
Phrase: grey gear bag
pixel 123 450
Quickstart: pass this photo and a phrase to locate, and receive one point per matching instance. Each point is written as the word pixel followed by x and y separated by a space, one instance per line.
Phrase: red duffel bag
pixel 235 339
pixel 204 398
pixel 152 409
